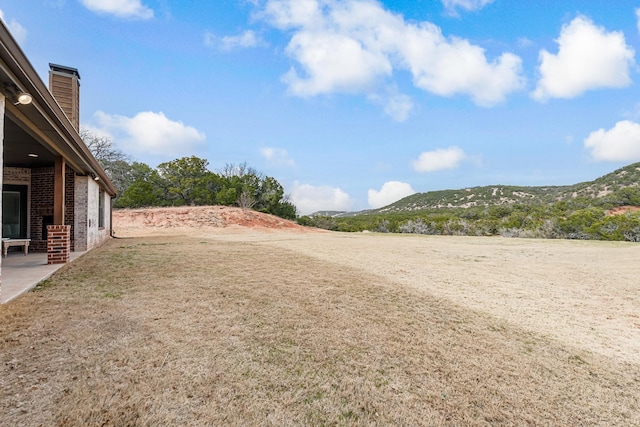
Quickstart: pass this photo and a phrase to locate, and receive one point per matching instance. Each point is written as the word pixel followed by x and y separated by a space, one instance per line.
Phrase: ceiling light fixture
pixel 34 155
pixel 17 96
pixel 24 99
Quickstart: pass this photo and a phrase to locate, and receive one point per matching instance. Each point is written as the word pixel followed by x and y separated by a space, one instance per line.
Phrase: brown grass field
pixel 211 327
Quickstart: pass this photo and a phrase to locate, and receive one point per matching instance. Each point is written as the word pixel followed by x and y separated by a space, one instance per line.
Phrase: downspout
pixel 111 234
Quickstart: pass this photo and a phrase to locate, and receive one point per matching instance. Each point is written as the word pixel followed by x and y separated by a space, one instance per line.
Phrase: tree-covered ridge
pixel 188 182
pixel 603 209
pixel 494 195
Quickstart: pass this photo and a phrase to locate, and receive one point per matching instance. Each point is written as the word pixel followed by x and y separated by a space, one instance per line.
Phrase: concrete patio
pixel 21 273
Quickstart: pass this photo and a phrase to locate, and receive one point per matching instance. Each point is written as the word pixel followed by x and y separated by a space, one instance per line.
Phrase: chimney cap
pixel 64 69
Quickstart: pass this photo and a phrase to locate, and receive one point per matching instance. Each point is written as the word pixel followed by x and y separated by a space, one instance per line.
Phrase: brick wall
pixel 69 196
pixel 42 204
pixel 16 176
pixel 58 244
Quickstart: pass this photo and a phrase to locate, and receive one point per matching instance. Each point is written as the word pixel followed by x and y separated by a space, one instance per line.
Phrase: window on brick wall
pixel 101 209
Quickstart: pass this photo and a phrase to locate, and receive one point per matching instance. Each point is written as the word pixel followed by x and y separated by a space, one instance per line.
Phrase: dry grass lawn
pixel 278 328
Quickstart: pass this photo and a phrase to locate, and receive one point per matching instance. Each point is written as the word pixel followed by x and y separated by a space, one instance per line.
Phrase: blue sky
pixel 353 104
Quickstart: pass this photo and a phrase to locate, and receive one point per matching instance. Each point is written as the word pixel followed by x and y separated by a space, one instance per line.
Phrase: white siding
pixel 93 233
pixel 88 234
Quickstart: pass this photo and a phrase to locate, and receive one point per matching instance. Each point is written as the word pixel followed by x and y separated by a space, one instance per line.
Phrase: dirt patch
pixel 623 210
pixel 155 220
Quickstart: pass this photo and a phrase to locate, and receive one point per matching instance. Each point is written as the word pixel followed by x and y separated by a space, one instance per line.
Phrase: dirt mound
pixel 198 217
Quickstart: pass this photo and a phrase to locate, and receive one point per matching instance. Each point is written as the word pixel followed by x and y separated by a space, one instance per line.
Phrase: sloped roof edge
pixel 29 81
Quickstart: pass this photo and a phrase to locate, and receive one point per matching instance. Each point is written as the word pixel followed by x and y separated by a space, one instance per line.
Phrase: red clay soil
pixel 200 216
pixel 623 210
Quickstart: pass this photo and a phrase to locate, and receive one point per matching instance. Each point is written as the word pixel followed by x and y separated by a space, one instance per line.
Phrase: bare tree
pixel 114 162
pixel 240 170
pixel 246 200
pixel 102 148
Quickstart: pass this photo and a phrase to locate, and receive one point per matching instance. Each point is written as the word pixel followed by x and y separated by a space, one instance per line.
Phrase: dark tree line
pixel 188 182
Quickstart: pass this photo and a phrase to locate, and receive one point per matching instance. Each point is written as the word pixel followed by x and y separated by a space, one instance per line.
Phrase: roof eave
pixel 29 81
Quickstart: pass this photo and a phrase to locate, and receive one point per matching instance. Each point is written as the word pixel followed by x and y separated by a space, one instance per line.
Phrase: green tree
pixel 579 224
pixel 629 196
pixel 139 194
pixel 226 196
pixel 285 209
pixel 254 190
pixel 269 194
pixel 186 180
pixel 145 188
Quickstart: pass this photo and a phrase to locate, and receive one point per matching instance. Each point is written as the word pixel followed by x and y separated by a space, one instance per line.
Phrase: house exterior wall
pixel 88 233
pixel 105 231
pixel 81 213
pixel 41 206
pixel 69 205
pixel 42 193
pixel 17 176
pixel 93 234
pixel 52 122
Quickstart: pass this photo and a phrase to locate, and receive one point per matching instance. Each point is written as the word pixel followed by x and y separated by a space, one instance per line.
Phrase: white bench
pixel 7 243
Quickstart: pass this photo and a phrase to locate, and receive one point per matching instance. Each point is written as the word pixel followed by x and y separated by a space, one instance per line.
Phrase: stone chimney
pixel 64 84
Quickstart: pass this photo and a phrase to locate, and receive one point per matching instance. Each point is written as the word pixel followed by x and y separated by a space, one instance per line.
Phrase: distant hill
pixel 607 208
pixel 496 195
pixel 332 214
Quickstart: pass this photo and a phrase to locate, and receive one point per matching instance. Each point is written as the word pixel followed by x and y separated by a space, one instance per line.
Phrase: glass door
pixel 14 211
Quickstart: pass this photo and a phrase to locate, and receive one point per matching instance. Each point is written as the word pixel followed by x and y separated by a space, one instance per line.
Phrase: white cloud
pixel 390 192
pixel 17 30
pixel 277 156
pixel 333 62
pixel 309 199
pixel 633 112
pixel 119 8
pixel 524 42
pixel 469 5
pixel 96 131
pixel 355 46
pixel 244 40
pixel 449 67
pixel 294 13
pixel 588 58
pixel 619 144
pixel 638 18
pixel 440 159
pixel 396 105
pixel 150 133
